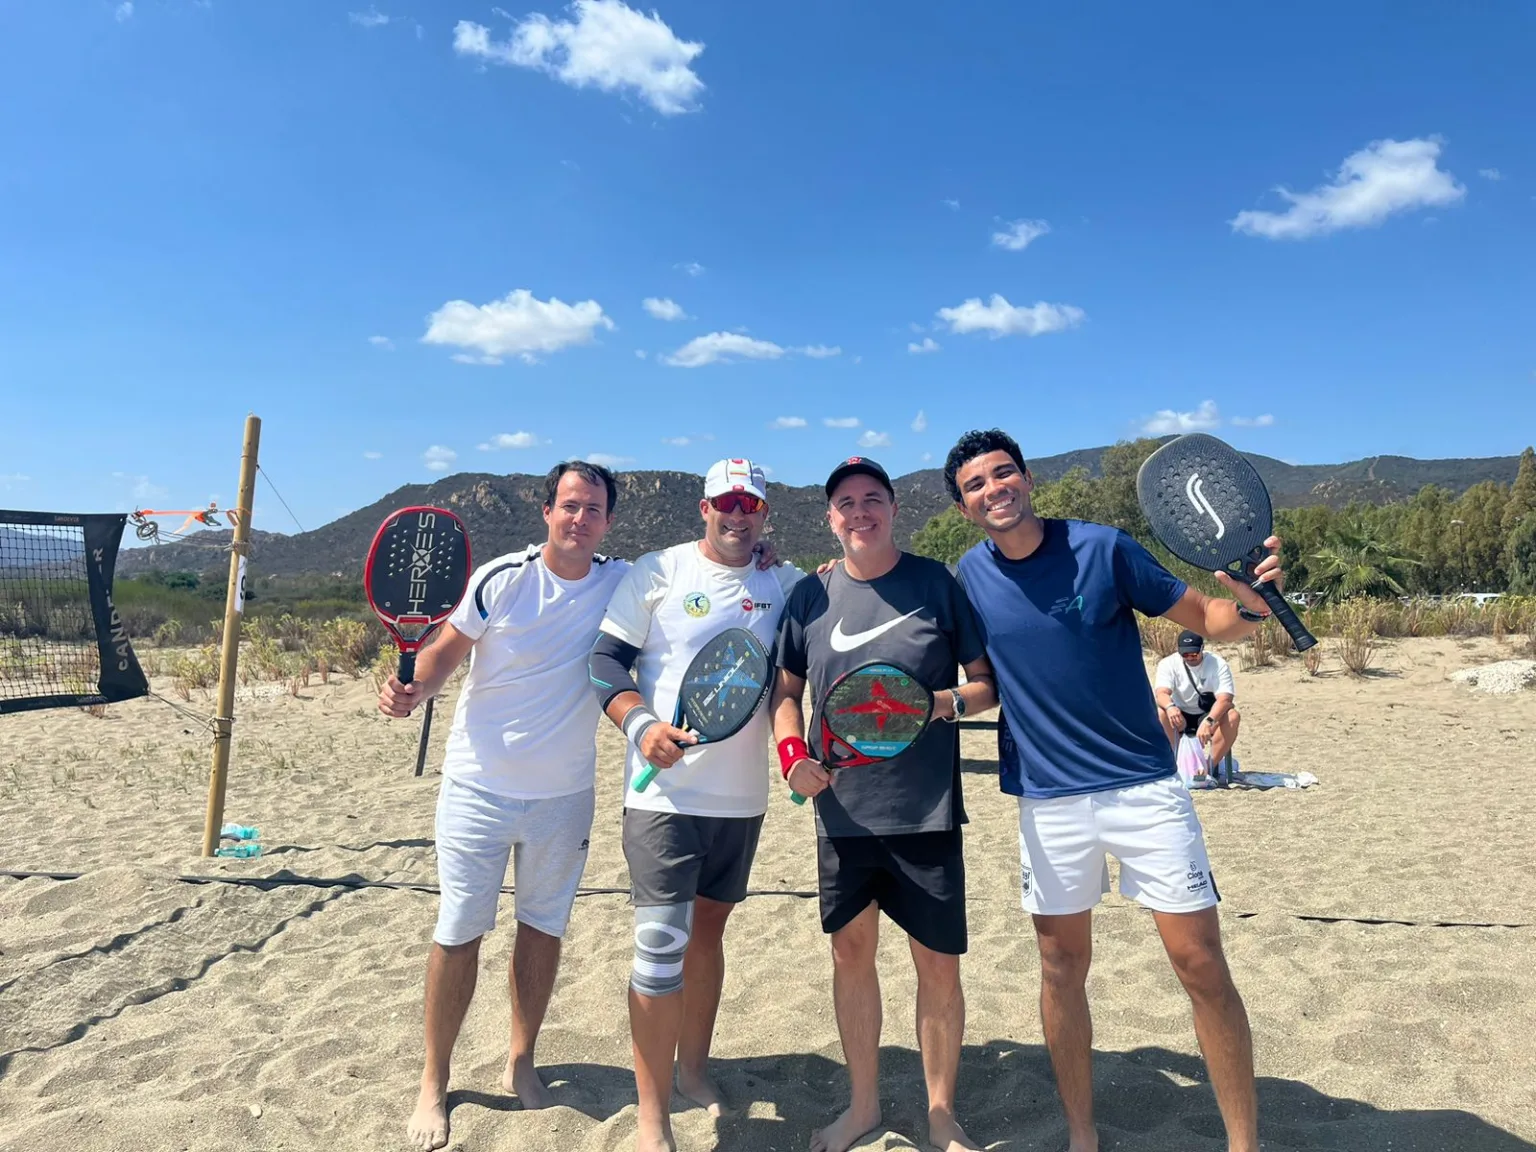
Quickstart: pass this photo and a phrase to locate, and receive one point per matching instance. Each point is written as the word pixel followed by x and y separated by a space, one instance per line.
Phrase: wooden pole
pixel 234 609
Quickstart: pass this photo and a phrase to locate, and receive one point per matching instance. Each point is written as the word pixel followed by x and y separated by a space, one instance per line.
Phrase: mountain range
pixel 657 509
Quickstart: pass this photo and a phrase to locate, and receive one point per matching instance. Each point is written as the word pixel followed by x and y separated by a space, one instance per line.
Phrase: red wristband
pixel 792 750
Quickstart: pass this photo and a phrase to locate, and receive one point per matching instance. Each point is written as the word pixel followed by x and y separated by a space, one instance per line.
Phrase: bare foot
pixel 522 1079
pixel 703 1091
pixel 428 1127
pixel 1085 1143
pixel 945 1133
pixel 841 1134
pixel 655 1138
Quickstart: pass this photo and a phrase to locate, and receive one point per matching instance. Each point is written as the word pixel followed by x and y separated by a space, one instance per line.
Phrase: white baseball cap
pixel 735 476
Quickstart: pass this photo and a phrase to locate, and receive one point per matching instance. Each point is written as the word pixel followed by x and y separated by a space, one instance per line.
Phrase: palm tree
pixel 1357 562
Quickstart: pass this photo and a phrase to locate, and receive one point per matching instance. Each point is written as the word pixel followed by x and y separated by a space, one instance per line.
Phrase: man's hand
pixel 1175 717
pixel 1268 571
pixel 828 565
pixel 397 699
pixel 661 744
pixel 1203 733
pixel 808 778
pixel 767 555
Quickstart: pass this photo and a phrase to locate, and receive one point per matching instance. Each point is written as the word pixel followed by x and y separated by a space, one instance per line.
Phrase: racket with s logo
pixel 723 686
pixel 1209 507
pixel 416 573
pixel 872 714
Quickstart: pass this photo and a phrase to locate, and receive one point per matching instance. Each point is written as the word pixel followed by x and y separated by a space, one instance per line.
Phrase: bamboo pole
pixel 234 609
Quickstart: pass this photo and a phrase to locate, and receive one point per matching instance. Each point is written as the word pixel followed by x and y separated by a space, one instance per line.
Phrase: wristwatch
pixel 1251 616
pixel 959 703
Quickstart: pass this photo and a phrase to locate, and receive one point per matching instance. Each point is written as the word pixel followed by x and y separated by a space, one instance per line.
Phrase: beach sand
pixel 141 1012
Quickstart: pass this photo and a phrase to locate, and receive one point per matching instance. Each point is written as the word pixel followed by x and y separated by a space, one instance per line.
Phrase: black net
pixel 61 642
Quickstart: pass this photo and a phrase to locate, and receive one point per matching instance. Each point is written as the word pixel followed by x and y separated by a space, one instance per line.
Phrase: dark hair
pixel 591 473
pixel 972 445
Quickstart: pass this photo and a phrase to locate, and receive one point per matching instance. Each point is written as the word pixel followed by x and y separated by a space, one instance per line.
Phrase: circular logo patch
pixel 696 604
pixel 746 605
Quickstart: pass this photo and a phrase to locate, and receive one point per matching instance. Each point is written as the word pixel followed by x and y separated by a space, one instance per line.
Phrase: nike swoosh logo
pixel 843 642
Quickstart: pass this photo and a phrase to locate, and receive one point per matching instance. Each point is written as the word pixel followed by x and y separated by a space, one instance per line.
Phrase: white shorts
pixel 1150 828
pixel 478 831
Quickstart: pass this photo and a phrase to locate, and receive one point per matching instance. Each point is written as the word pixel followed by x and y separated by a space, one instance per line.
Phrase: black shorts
pixel 674 857
pixel 1193 720
pixel 918 880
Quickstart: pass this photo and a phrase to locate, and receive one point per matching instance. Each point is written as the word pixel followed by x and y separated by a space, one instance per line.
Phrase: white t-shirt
pixel 1212 674
pixel 526 722
pixel 669 605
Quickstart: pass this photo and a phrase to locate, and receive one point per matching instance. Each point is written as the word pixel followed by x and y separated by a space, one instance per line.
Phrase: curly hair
pixel 591 473
pixel 973 444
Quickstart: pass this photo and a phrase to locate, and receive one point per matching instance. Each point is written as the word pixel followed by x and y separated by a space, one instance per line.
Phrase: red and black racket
pixel 1209 507
pixel 872 714
pixel 415 575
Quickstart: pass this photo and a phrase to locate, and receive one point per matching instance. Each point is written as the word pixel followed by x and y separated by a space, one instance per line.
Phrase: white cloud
pixel 372 18
pixel 608 45
pixel 840 421
pixel 1490 174
pixel 1263 421
pixel 873 439
pixel 511 440
pixel 1000 318
pixel 464 358
pixel 789 422
pixel 123 11
pixel 10 480
pixel 639 353
pixel 373 455
pixel 920 422
pixel 693 268
pixel 952 205
pixel 383 342
pixel 517 325
pixel 606 460
pixel 677 441
pixel 927 456
pixel 1167 422
pixel 1383 178
pixel 820 351
pixel 142 488
pixel 438 459
pixel 929 344
pixel 721 348
pixel 664 309
pixel 1020 234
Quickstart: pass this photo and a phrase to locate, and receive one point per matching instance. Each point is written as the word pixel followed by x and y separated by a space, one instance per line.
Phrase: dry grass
pixel 1159 635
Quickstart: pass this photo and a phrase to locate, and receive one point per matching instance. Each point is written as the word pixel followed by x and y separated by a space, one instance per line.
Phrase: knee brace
pixel 661 939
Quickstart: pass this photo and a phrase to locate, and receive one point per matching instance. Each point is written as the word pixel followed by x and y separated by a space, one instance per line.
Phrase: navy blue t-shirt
pixel 1078 714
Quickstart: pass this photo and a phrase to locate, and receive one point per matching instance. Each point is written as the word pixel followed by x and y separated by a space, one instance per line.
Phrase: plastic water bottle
pixel 239 850
pixel 239 832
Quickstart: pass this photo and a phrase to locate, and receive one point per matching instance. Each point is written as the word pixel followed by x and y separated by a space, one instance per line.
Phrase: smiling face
pixel 578 517
pixel 994 491
pixel 861 513
pixel 731 532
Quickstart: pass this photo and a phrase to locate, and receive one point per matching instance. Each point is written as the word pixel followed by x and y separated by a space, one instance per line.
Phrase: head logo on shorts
pixel 696 604
pixel 1194 490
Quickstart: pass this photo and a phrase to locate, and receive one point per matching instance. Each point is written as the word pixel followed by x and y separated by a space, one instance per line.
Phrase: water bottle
pixel 241 851
pixel 239 832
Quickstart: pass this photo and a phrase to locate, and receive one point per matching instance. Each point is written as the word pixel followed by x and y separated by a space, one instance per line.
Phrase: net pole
pixel 234 608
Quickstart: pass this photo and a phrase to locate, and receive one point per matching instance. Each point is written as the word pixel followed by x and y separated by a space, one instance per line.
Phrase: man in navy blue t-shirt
pixel 1080 745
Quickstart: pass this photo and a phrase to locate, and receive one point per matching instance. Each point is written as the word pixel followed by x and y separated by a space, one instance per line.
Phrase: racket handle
pixel 407 671
pixel 426 731
pixel 643 780
pixel 1284 613
pixel 798 799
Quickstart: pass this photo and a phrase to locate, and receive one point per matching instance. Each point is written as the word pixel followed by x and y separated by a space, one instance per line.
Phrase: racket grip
pixel 1285 614
pixel 407 671
pixel 798 799
pixel 643 780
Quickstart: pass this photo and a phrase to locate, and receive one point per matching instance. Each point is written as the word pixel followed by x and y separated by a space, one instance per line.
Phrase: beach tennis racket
pixel 1209 507
pixel 873 713
pixel 416 573
pixel 722 687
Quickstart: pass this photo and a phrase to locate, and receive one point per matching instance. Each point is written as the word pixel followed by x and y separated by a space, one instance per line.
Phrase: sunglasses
pixel 732 502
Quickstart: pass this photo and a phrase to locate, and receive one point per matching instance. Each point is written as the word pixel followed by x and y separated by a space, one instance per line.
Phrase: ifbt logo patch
pixel 696 604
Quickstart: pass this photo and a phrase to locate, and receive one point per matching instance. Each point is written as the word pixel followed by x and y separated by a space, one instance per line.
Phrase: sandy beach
pixel 1381 926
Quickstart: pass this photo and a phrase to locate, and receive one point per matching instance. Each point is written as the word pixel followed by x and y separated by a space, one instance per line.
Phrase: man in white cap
pixel 690 837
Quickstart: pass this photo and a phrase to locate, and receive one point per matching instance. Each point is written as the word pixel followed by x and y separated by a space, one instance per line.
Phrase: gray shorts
pixel 674 857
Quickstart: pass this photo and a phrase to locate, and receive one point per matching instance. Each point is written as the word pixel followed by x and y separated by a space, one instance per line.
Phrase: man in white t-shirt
pixel 1194 693
pixel 690 837
pixel 518 773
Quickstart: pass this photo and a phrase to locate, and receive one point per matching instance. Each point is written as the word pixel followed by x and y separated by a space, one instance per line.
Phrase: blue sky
pixel 400 232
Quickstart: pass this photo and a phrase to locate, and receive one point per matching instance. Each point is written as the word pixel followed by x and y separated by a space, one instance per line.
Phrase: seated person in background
pixel 1194 694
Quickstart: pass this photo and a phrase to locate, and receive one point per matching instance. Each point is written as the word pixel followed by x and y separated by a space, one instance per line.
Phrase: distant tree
pixel 1481 510
pixel 1117 503
pixel 187 580
pixel 1522 557
pixel 1522 494
pixel 1302 532
pixel 947 536
pixel 1355 562
pixel 1427 533
pixel 1074 497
